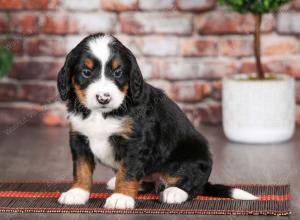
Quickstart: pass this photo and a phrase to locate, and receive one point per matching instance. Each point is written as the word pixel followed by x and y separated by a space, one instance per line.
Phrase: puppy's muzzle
pixel 103 98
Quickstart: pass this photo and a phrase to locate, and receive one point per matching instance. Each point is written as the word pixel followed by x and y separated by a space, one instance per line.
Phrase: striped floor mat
pixel 42 197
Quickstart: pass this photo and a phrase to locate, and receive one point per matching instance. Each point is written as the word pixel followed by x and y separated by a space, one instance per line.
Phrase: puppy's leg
pixel 145 186
pixel 185 181
pixel 173 193
pixel 125 191
pixel 83 167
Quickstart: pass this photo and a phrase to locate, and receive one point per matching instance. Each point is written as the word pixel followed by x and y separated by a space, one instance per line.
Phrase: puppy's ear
pixel 136 82
pixel 63 78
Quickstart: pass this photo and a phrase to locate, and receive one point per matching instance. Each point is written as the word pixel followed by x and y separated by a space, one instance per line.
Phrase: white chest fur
pixel 98 129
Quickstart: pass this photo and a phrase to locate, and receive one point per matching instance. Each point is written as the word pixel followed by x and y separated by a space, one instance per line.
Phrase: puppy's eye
pixel 117 73
pixel 86 73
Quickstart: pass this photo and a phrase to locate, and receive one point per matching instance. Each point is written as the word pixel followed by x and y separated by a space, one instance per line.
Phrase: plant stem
pixel 257 38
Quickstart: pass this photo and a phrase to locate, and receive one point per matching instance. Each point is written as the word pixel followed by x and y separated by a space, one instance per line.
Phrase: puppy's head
pixel 100 71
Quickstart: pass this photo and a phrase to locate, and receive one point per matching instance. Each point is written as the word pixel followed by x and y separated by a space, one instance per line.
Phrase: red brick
pixel 218 68
pixel 19 114
pixel 207 112
pixel 8 90
pixel 59 24
pixel 210 112
pixel 271 45
pixel 164 85
pixel 219 22
pixel 156 5
pixel 119 5
pixel 190 91
pixel 236 46
pixel 96 22
pixel 274 66
pixel 165 23
pixel 49 46
pixel 216 93
pixel 81 5
pixel 198 47
pixel 3 23
pixel 11 4
pixel 24 24
pixel 41 4
pixel 198 69
pixel 292 67
pixel 40 92
pixel 133 43
pixel 296 4
pixel 85 23
pixel 55 115
pixel 248 66
pixel 288 23
pixel 279 45
pixel 35 69
pixel 159 46
pixel 14 44
pixel 192 5
pixel 150 68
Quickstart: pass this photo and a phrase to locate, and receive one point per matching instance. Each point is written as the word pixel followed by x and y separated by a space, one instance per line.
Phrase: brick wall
pixel 183 47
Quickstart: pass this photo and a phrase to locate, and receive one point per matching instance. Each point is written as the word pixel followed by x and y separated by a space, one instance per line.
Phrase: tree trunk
pixel 259 69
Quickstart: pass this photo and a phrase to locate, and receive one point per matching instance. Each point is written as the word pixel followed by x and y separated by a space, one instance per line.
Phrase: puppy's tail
pixel 219 190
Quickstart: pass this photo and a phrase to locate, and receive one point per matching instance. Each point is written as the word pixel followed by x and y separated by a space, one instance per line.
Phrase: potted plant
pixel 5 61
pixel 258 108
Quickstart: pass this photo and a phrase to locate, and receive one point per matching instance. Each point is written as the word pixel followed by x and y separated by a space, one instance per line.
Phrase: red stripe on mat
pixel 146 197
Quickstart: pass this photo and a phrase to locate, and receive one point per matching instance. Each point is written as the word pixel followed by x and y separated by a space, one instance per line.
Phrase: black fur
pixel 63 79
pixel 162 140
pixel 80 150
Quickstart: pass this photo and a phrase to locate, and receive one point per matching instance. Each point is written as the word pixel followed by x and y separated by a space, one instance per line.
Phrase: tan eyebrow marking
pixel 89 63
pixel 116 62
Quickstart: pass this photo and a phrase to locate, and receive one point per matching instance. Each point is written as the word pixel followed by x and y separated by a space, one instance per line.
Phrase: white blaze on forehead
pixel 99 47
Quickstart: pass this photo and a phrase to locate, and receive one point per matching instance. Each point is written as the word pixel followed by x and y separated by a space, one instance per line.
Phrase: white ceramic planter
pixel 256 111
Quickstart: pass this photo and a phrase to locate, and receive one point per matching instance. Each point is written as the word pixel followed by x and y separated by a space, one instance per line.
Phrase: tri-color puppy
pixel 119 120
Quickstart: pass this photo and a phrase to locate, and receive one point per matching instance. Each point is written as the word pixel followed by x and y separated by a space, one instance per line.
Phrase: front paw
pixel 173 195
pixel 75 196
pixel 119 201
pixel 110 185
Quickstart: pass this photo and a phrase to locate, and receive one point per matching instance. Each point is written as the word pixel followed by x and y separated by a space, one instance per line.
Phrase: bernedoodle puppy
pixel 119 120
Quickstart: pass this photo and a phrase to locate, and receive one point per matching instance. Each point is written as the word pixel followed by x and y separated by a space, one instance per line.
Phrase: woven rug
pixel 42 197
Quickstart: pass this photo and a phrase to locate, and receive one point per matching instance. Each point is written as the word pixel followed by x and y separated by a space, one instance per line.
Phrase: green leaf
pixel 6 59
pixel 254 6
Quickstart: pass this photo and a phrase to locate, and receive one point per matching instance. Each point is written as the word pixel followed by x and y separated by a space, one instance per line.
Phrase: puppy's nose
pixel 103 98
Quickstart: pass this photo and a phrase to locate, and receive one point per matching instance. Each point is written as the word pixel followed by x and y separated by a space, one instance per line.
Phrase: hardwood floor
pixel 43 153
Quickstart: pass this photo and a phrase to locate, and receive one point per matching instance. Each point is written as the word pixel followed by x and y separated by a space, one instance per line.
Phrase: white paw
pixel 242 194
pixel 110 185
pixel 173 195
pixel 75 196
pixel 119 201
